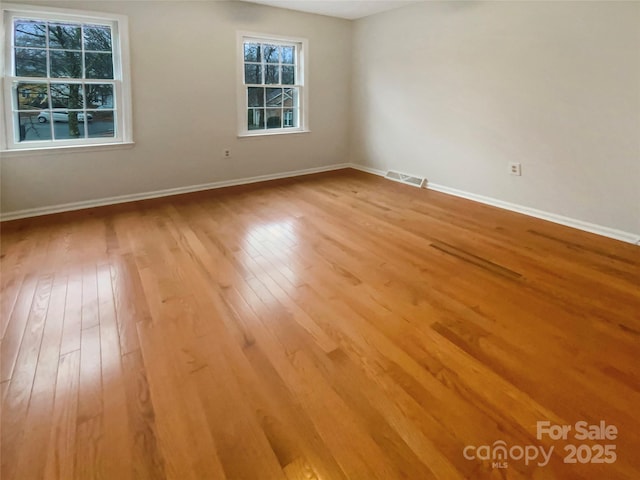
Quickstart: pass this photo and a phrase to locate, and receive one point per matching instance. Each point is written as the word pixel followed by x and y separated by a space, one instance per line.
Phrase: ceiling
pixel 349 9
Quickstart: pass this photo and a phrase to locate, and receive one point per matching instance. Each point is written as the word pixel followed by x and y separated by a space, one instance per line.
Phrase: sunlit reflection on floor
pixel 272 249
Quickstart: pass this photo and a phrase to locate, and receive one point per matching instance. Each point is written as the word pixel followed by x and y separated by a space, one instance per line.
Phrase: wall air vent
pixel 412 180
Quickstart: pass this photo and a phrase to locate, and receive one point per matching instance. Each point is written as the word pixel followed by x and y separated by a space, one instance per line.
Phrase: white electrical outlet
pixel 226 153
pixel 515 169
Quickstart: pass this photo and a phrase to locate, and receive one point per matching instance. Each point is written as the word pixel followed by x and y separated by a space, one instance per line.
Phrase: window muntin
pixel 65 80
pixel 272 76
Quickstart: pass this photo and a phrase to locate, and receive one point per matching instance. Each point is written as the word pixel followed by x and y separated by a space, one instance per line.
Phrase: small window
pixel 272 95
pixel 66 80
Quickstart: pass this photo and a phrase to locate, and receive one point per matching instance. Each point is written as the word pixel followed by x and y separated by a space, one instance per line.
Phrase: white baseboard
pixel 362 168
pixel 68 207
pixel 532 212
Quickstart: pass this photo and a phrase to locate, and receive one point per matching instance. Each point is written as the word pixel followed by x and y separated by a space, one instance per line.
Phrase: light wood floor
pixel 338 326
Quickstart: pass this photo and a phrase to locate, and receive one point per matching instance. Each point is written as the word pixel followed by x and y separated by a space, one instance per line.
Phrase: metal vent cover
pixel 412 180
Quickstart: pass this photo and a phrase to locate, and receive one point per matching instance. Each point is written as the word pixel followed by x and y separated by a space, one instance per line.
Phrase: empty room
pixel 321 240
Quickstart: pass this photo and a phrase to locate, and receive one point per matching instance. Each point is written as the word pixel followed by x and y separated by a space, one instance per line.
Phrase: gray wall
pixel 455 90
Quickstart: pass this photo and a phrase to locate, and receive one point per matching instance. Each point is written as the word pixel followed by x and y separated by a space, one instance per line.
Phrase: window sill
pixel 95 147
pixel 265 133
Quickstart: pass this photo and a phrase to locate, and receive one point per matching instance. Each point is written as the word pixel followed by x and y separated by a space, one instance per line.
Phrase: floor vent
pixel 419 182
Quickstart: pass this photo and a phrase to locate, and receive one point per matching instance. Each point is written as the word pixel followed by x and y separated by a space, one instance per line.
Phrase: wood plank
pixel 60 454
pixel 147 461
pixel 117 440
pixel 129 300
pixel 90 316
pixel 16 327
pixel 71 333
pixel 90 421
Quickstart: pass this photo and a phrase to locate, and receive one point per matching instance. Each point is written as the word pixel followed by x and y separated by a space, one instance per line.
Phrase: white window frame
pixel 302 52
pixel 121 73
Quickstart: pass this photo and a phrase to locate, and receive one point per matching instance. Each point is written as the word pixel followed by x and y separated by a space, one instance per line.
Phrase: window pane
pixel 289 118
pixel 252 52
pixel 98 65
pixel 255 97
pixel 31 128
pixel 67 95
pixel 68 125
pixel 97 37
pixel 31 62
pixel 288 77
pixel 30 34
pixel 253 74
pixel 101 123
pixel 290 98
pixel 271 74
pixel 255 118
pixel 64 36
pixel 99 95
pixel 288 54
pixel 273 118
pixel 66 64
pixel 274 97
pixel 32 96
pixel 271 53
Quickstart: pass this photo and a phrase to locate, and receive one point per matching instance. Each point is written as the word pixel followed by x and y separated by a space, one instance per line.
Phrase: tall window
pixel 66 79
pixel 273 95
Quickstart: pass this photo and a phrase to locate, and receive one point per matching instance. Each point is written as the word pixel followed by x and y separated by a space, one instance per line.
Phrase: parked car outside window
pixel 61 116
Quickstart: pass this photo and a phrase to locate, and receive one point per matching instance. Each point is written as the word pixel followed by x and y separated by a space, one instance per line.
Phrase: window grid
pixel 272 89
pixel 77 114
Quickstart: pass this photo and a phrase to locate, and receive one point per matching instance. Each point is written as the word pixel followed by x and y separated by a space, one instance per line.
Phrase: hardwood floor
pixel 337 326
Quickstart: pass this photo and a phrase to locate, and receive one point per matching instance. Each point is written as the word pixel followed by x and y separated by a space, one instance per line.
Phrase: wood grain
pixel 335 326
